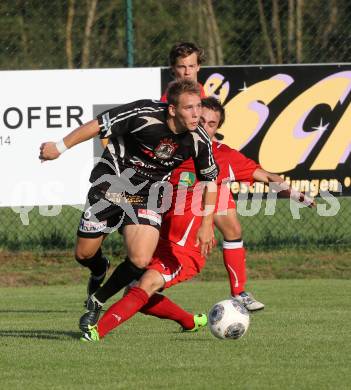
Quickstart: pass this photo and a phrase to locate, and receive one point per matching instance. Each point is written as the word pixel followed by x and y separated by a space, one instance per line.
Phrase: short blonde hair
pixel 178 87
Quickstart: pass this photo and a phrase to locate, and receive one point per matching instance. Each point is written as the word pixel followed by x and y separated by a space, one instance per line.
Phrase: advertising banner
pixel 40 106
pixel 293 120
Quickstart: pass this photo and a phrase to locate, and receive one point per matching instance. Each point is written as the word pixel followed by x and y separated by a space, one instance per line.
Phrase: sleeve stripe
pixel 209 146
pixel 139 109
pixel 131 113
pixel 203 133
pixel 116 120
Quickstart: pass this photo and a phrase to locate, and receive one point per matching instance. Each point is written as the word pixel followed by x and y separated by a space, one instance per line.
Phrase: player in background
pixel 185 59
pixel 177 257
pixel 147 140
pixel 236 167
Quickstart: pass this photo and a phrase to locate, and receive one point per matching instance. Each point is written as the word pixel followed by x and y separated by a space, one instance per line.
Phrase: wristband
pixel 61 147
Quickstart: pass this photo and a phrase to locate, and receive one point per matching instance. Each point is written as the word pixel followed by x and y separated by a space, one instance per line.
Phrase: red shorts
pixel 176 263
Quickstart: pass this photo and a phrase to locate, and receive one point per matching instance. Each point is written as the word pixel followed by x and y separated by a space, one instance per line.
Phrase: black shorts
pixel 107 212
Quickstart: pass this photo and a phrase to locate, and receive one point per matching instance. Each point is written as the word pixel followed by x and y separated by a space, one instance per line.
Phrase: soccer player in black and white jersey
pixel 147 140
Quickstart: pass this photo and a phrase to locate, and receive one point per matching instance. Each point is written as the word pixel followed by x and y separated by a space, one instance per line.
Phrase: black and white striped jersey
pixel 140 139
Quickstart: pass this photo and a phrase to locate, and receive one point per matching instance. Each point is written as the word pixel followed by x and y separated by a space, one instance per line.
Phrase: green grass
pixel 261 230
pixel 301 340
pixel 60 268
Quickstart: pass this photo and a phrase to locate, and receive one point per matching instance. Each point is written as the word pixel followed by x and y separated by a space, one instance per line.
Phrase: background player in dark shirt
pixel 150 138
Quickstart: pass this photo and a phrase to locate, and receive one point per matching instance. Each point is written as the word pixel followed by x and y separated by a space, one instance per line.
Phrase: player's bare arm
pixel 52 150
pixel 282 187
pixel 205 234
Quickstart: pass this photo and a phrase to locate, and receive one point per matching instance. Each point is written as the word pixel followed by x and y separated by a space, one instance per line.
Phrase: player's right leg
pixel 88 253
pixel 96 222
pixel 162 307
pixel 234 256
pixel 140 241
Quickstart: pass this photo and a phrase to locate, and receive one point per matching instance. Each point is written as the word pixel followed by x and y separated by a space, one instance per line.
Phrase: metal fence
pixel 36 34
pixel 66 34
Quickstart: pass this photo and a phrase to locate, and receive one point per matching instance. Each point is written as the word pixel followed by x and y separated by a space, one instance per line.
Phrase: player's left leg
pixel 127 306
pixel 234 257
pixel 171 264
pixel 140 242
pixel 176 264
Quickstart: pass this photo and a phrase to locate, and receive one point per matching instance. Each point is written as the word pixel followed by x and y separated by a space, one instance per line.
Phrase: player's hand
pixel 307 201
pixel 300 197
pixel 205 238
pixel 48 151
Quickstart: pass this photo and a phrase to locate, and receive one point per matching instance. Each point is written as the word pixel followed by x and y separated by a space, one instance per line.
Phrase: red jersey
pixel 182 221
pixel 202 94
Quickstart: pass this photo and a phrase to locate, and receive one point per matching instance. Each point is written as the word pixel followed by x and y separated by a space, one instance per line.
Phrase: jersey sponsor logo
pixel 119 198
pixel 150 215
pixel 165 149
pixel 187 179
pixel 137 162
pixel 91 226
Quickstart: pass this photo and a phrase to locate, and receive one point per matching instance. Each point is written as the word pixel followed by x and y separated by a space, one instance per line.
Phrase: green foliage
pixel 34 34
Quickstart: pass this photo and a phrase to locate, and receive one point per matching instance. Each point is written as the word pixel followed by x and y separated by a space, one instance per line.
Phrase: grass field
pixel 300 341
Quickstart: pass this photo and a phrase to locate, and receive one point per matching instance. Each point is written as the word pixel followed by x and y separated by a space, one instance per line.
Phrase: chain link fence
pixel 70 34
pixel 62 34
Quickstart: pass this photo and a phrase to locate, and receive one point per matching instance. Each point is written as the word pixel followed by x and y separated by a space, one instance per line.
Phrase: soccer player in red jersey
pixel 185 59
pixel 234 166
pixel 177 257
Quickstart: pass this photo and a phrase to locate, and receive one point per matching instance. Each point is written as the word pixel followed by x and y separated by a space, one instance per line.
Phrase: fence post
pixel 129 33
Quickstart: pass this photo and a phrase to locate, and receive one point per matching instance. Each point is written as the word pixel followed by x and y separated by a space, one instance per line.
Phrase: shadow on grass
pixel 32 311
pixel 40 334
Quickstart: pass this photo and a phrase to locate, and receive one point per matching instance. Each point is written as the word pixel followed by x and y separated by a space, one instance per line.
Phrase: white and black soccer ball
pixel 228 319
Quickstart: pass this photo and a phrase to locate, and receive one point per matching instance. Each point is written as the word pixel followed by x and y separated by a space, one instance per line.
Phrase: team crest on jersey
pixel 165 149
pixel 187 179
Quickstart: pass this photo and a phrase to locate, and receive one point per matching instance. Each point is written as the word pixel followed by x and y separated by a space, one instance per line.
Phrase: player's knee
pixel 151 282
pixel 82 254
pixel 232 232
pixel 140 261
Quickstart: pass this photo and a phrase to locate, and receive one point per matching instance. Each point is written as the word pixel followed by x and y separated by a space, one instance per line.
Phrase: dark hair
pixel 185 49
pixel 213 104
pixel 176 88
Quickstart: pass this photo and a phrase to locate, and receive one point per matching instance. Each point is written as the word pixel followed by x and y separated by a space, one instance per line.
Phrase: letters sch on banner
pixel 293 120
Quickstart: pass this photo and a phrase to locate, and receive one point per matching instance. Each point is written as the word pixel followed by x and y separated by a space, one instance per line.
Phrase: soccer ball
pixel 228 319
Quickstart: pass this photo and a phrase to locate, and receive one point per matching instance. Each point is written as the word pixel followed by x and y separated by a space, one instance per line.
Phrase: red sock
pixel 162 307
pixel 235 263
pixel 123 309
